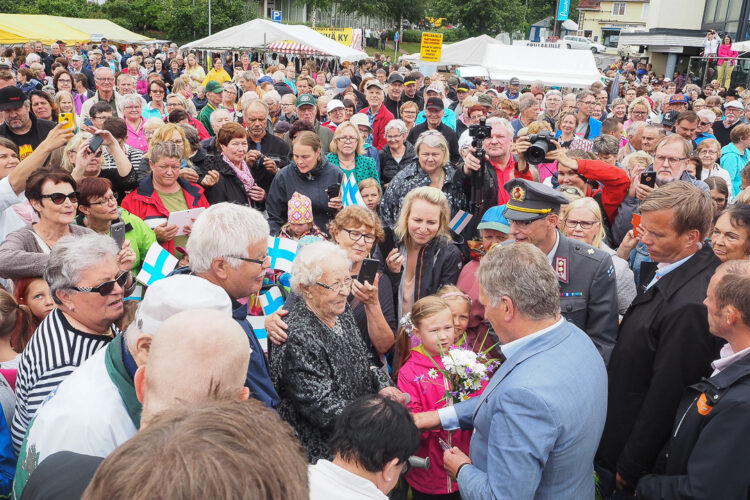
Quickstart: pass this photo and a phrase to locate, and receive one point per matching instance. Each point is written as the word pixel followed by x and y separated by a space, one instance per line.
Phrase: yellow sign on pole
pixel 432 47
pixel 341 35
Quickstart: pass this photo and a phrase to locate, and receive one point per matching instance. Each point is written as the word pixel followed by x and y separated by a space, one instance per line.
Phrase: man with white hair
pixel 228 247
pixel 97 404
pixel 218 119
pixel 105 91
pixel 634 132
pixel 193 357
pixel 279 85
pixel 528 111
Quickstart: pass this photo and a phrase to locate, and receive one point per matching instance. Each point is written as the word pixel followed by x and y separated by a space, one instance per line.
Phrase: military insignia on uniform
pixel 610 270
pixel 561 268
pixel 518 193
pixel 590 251
pixel 704 408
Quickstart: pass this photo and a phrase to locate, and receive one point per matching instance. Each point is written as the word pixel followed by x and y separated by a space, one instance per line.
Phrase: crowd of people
pixel 593 243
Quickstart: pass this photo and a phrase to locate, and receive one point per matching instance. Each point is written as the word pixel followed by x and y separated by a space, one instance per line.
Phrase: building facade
pixel 603 20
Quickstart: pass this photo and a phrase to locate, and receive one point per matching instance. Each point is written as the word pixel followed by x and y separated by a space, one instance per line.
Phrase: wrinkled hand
pixel 521 145
pixel 211 178
pixel 57 137
pixel 107 138
pixel 189 174
pixel 276 328
pixel 394 261
pixel 629 242
pixel 336 203
pixel 393 393
pixel 558 154
pixel 471 162
pixel 366 293
pixel 165 233
pixel 270 165
pixel 635 180
pixel 257 193
pixel 188 229
pixel 642 191
pixel 252 156
pixel 453 459
pixel 125 257
pixel 427 420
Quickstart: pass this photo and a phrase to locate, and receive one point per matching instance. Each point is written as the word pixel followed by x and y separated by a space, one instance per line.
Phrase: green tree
pixel 482 16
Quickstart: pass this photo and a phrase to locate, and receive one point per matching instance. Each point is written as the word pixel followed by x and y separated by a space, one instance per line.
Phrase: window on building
pixel 644 11
pixel 709 14
pixel 610 37
pixel 618 8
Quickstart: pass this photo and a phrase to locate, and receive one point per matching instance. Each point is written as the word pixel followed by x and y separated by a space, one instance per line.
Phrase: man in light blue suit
pixel 538 423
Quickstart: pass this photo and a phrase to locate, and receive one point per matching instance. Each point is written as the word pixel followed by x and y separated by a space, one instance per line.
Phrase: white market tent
pixel 259 33
pixel 469 52
pixel 558 67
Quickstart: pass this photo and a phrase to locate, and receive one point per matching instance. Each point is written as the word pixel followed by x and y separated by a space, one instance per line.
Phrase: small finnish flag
pixel 157 264
pixel 259 328
pixel 282 252
pixel 459 221
pixel 271 301
pixel 350 194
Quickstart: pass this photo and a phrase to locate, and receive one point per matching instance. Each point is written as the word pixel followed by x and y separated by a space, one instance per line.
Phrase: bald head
pixel 196 356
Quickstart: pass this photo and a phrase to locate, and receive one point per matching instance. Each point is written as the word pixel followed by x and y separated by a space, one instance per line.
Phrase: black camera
pixel 541 143
pixel 479 133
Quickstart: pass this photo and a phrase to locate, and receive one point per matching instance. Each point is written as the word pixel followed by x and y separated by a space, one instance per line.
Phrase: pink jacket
pixel 426 393
pixel 726 51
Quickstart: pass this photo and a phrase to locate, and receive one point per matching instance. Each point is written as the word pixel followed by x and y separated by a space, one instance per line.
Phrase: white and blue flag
pixel 350 194
pixel 157 264
pixel 282 252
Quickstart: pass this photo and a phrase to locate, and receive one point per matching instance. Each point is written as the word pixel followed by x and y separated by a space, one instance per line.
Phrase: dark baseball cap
pixel 435 102
pixel 396 77
pixel 11 98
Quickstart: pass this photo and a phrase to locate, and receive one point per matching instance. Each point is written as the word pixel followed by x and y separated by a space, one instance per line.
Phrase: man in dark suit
pixel 664 344
pixel 588 288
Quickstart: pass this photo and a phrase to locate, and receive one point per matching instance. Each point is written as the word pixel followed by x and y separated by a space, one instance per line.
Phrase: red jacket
pixel 615 183
pixel 146 204
pixel 378 126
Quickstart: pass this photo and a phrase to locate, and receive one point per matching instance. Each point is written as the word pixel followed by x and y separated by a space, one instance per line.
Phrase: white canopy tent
pixel 469 51
pixel 741 46
pixel 259 33
pixel 558 67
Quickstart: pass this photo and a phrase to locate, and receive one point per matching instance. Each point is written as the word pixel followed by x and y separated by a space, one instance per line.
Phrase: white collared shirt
pixel 551 254
pixel 665 269
pixel 727 356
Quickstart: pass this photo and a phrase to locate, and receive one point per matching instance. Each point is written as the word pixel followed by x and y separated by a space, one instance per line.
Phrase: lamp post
pixel 209 17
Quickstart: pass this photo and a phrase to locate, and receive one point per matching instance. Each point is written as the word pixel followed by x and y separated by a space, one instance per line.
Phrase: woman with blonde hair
pixel 66 104
pixel 583 221
pixel 348 153
pixel 194 71
pixel 709 152
pixel 408 112
pixel 638 111
pixel 425 257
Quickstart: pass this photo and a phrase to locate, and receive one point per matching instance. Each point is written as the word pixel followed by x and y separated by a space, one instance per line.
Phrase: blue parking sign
pixel 276 16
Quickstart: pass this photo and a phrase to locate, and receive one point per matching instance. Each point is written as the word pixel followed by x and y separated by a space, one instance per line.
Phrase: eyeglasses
pixel 393 137
pixel 105 79
pixel 639 113
pixel 254 261
pixel 59 198
pixel 347 139
pixel 105 201
pixel 337 287
pixel 356 236
pixel 588 103
pixel 667 159
pixel 704 124
pixel 160 92
pixel 105 288
pixel 584 224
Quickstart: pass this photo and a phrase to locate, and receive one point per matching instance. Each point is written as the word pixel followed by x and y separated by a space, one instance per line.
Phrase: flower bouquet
pixel 464 372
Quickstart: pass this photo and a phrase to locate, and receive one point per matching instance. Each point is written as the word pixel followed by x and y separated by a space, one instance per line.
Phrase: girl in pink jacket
pixel 726 66
pixel 431 322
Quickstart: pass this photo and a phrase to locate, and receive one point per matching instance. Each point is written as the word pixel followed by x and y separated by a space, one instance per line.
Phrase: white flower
pixel 432 373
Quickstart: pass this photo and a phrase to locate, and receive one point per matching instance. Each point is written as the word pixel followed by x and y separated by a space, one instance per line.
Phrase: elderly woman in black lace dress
pixel 324 365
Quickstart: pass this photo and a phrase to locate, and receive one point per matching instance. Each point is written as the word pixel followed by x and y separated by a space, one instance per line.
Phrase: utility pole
pixel 557 9
pixel 209 17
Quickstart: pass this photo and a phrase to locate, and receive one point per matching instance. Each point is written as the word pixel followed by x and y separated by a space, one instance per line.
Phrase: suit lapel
pixel 542 343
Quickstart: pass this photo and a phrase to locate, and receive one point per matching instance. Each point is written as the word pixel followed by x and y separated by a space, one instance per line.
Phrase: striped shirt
pixel 55 350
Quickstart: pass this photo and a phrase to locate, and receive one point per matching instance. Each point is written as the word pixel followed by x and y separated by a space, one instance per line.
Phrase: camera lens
pixel 537 151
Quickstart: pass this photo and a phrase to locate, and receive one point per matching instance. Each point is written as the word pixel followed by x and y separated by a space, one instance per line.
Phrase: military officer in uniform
pixel 588 288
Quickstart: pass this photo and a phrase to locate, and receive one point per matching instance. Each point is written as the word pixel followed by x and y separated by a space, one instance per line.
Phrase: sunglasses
pixel 105 288
pixel 59 198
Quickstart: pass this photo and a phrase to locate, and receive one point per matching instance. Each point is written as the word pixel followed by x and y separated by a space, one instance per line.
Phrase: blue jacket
pixel 733 161
pixel 258 378
pixel 449 118
pixel 538 423
pixel 594 130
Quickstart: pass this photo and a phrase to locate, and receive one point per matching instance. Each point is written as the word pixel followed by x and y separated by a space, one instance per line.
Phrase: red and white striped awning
pixel 289 47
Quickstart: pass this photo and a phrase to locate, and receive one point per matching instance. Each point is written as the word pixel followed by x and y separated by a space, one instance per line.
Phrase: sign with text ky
pixel 432 47
pixel 341 35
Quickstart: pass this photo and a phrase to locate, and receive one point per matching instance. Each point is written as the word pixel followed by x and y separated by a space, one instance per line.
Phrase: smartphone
pixel 648 179
pixel 333 190
pixel 368 271
pixel 96 143
pixel 66 117
pixel 88 122
pixel 117 232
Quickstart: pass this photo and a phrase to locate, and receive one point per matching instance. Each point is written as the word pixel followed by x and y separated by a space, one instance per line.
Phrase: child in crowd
pixel 431 321
pixel 300 219
pixel 460 304
pixel 371 193
pixel 34 294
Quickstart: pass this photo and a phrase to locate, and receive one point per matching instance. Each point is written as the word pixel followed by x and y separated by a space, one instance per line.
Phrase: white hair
pixel 72 255
pixel 132 99
pixel 635 127
pixel 251 103
pixel 214 118
pixel 32 58
pixel 399 125
pixel 224 230
pixel 707 114
pixel 311 261
pixel 503 122
pixel 278 76
pixel 272 96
